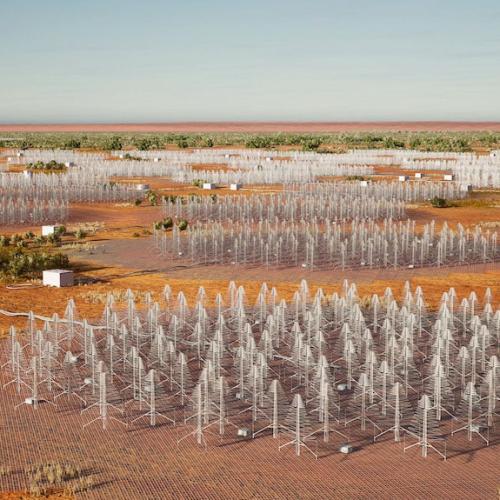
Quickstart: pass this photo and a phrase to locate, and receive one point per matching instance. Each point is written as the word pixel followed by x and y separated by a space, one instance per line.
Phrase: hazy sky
pixel 121 60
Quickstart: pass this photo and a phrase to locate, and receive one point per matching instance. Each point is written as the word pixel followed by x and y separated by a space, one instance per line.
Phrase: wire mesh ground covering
pixel 299 377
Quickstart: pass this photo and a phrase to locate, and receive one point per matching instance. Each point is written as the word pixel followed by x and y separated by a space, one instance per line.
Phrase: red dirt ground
pixel 142 462
pixel 255 127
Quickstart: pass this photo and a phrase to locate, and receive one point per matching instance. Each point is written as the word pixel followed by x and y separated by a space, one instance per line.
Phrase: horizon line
pixel 255 126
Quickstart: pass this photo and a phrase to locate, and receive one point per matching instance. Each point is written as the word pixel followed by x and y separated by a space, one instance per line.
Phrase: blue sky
pixel 136 61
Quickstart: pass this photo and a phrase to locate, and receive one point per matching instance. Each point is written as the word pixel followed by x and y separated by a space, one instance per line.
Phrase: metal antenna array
pixel 396 367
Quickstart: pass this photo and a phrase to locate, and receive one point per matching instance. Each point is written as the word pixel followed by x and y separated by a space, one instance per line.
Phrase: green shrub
pixel 311 143
pixel 113 143
pixel 50 166
pixel 164 224
pixel 17 263
pixel 437 202
pixel 72 144
pixel 54 239
pixel 152 197
pixel 80 234
pixel 183 225
pixel 144 144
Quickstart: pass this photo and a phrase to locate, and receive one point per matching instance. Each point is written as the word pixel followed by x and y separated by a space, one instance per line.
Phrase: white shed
pixel 142 187
pixel 48 230
pixel 28 174
pixel 209 185
pixel 403 178
pixel 58 277
pixel 235 187
pixel 419 175
pixel 363 183
pixel 156 160
pixel 69 164
pixel 448 177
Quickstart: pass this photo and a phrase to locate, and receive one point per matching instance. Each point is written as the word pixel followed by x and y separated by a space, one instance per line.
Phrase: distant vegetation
pixel 50 166
pixel 326 143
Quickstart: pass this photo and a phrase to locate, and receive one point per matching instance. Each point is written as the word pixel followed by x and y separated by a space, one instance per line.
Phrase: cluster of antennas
pixel 304 371
pixel 320 244
pixel 339 225
pixel 32 198
pixel 328 201
pixel 467 168
pixel 42 198
pixel 259 166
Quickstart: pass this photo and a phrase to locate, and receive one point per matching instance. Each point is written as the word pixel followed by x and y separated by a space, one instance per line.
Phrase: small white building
pixel 403 178
pixel 121 156
pixel 48 230
pixel 28 174
pixel 69 164
pixel 419 175
pixel 269 158
pixel 142 187
pixel 363 183
pixel 156 160
pixel 235 187
pixel 58 277
pixel 448 177
pixel 209 185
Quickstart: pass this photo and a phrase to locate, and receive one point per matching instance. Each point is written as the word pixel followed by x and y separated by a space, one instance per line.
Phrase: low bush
pixel 50 166
pixel 152 197
pixel 19 263
pixel 80 234
pixel 164 224
pixel 437 202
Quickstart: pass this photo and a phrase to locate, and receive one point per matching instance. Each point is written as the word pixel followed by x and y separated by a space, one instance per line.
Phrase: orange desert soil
pixel 255 127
